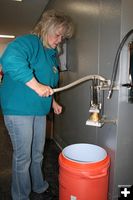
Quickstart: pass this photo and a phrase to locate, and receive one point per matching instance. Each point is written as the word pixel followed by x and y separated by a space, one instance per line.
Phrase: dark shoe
pixel 47 195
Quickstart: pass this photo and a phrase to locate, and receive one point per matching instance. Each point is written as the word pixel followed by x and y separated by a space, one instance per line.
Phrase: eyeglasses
pixel 59 36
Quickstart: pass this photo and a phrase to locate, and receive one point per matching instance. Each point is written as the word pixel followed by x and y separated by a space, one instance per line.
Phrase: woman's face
pixel 55 38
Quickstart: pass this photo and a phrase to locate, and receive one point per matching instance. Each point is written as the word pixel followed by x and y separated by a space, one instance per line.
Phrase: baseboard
pixel 59 142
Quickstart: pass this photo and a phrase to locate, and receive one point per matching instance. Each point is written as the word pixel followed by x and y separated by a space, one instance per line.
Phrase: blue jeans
pixel 27 135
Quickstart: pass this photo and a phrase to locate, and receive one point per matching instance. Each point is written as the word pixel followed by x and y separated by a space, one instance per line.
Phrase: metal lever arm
pixel 86 78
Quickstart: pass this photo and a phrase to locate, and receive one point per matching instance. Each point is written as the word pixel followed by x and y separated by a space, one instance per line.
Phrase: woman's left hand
pixel 56 107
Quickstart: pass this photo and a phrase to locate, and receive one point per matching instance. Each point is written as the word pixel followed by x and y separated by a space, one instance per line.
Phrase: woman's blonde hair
pixel 50 21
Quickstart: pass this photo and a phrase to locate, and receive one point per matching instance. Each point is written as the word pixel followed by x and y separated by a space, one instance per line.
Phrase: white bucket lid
pixel 83 152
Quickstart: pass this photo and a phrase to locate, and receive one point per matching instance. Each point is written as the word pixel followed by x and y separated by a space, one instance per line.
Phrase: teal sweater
pixel 23 59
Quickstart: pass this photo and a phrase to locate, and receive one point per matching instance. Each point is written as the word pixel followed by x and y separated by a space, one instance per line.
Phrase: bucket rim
pixel 83 145
pixel 67 163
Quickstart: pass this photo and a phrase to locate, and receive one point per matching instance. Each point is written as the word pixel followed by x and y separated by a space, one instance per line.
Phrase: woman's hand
pixel 40 89
pixel 56 107
pixel 44 90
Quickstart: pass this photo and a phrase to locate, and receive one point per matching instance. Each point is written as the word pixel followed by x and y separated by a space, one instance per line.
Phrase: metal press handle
pixel 86 78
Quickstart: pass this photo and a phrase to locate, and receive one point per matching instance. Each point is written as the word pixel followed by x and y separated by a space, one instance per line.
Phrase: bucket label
pixel 73 197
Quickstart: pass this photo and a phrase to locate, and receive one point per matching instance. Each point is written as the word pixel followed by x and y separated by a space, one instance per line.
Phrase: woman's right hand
pixel 44 90
pixel 40 89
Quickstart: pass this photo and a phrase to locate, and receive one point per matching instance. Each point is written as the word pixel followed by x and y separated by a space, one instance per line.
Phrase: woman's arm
pixel 56 107
pixel 40 89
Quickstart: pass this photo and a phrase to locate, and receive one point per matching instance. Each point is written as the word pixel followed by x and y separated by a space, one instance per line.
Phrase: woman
pixel 30 67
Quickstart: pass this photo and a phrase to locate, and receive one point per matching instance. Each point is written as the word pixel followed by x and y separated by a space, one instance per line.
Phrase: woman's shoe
pixel 46 195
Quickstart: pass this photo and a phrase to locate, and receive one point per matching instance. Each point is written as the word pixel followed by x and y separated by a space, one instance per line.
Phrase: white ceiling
pixel 17 18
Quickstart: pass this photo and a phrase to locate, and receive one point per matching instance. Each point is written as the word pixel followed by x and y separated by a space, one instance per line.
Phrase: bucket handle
pixel 104 173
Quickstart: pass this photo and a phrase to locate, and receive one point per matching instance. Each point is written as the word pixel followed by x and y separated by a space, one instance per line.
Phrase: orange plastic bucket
pixel 83 173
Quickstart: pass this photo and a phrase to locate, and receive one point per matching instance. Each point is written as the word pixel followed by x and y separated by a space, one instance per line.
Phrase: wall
pixel 124 162
pixel 100 25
